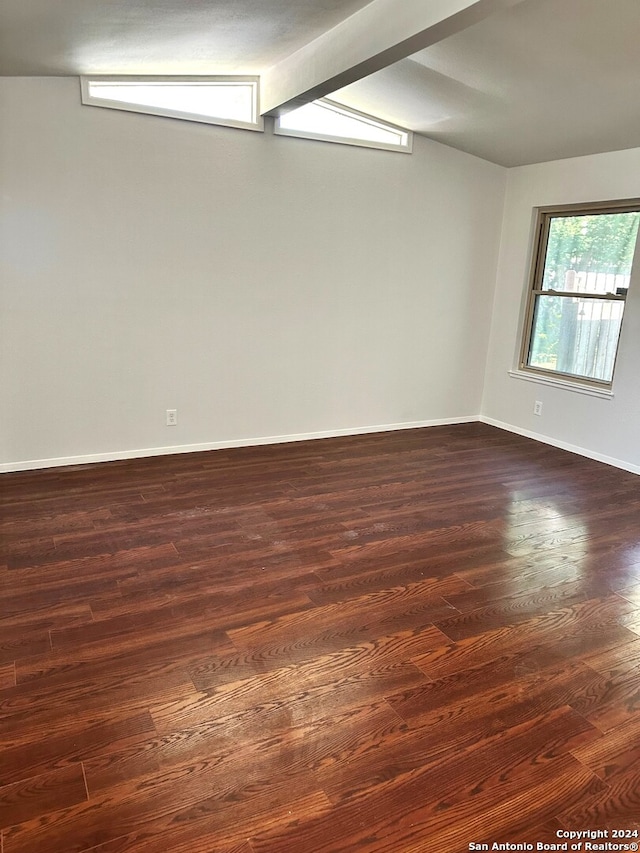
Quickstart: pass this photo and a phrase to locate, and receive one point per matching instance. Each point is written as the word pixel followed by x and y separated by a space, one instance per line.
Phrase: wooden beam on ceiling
pixel 380 34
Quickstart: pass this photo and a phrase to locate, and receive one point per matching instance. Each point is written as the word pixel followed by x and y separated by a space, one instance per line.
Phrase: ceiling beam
pixel 380 34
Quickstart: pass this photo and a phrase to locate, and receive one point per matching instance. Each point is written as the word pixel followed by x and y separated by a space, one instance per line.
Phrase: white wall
pixel 262 286
pixel 607 429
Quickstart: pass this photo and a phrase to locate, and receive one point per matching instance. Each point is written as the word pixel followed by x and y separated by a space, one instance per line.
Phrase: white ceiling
pixel 543 80
pixel 68 37
pixel 539 80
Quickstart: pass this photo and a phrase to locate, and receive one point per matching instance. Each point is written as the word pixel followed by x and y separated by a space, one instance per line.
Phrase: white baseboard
pixel 140 453
pixel 57 462
pixel 563 445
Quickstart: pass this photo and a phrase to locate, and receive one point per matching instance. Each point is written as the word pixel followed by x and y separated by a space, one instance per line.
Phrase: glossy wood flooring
pixel 396 643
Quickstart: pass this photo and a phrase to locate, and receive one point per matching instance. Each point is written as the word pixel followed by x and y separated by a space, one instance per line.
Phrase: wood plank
pixel 615 807
pixel 615 753
pixel 222 612
pixel 178 644
pixel 582 624
pixel 152 800
pixel 33 798
pixel 7 675
pixel 362 582
pixel 211 674
pixel 631 593
pixel 529 692
pixel 31 757
pixel 283 693
pixel 45 704
pixel 513 610
pixel 620 658
pixel 610 701
pixel 631 620
pixel 206 833
pixel 270 741
pixel 394 815
pixel 458 762
pixel 365 617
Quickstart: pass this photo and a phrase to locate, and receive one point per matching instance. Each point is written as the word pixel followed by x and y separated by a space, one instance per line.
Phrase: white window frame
pixel 257 122
pixel 595 387
pixel 343 140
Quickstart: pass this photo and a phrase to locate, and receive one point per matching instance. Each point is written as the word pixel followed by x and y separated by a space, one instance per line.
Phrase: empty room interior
pixel 319 426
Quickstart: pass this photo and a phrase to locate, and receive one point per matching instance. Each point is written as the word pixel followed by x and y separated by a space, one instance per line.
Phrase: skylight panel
pixel 334 123
pixel 231 101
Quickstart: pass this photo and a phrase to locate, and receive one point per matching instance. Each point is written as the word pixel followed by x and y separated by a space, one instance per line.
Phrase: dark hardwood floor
pixel 396 643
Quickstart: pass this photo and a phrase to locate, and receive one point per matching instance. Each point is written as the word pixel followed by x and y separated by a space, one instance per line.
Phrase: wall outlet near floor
pixel 537 407
pixel 172 417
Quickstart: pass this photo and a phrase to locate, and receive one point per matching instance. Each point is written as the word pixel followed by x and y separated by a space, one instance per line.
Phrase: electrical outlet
pixel 537 407
pixel 172 417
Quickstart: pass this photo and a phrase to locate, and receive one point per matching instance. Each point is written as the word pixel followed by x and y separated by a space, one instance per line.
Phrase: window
pixel 230 101
pixel 579 284
pixel 334 123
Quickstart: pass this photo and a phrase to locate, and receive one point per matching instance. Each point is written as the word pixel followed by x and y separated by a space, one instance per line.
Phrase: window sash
pixel 256 121
pixel 536 290
pixel 404 137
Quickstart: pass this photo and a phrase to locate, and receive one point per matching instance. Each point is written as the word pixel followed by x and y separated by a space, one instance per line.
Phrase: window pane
pixel 576 336
pixel 322 120
pixel 225 100
pixel 590 253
